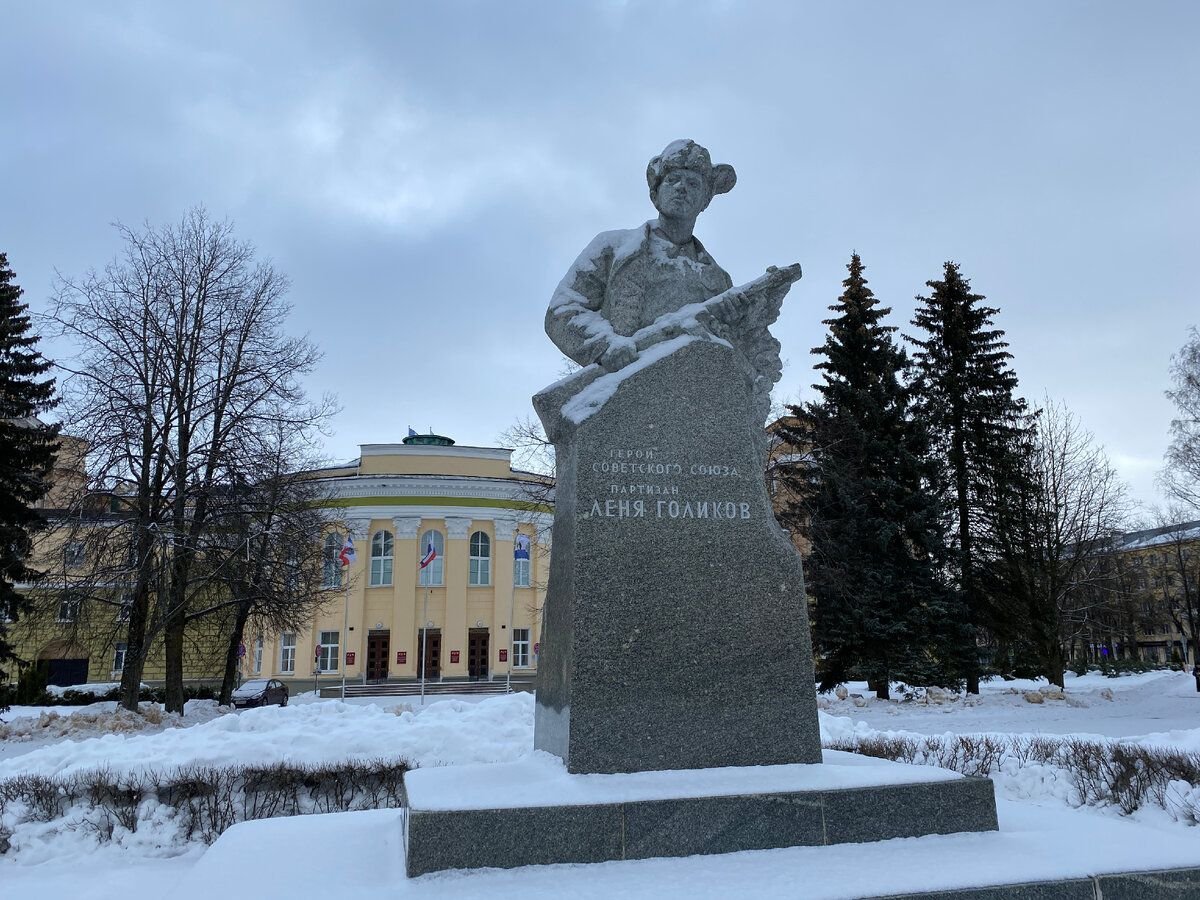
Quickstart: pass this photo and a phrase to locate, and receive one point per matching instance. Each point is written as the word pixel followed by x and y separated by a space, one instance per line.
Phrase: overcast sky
pixel 426 172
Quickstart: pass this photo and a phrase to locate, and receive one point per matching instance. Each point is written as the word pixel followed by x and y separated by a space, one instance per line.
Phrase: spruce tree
pixel 27 450
pixel 881 609
pixel 978 427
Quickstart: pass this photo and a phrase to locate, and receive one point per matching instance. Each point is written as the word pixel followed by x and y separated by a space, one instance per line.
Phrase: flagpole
pixel 345 642
pixel 345 558
pixel 512 602
pixel 424 642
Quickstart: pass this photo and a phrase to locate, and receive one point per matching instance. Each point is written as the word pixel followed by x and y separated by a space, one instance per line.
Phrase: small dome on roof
pixel 430 440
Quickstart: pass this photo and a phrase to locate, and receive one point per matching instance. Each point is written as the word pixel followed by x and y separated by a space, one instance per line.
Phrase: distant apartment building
pixel 1162 578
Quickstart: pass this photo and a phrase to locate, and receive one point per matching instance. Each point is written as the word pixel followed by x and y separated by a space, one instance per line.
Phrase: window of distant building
pixel 68 608
pixel 520 647
pixel 327 661
pixel 331 566
pixel 481 559
pixel 74 554
pixel 381 559
pixel 433 574
pixel 119 658
pixel 287 653
pixel 521 560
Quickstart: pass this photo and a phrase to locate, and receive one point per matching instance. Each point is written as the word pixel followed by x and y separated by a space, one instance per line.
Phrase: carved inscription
pixel 648 483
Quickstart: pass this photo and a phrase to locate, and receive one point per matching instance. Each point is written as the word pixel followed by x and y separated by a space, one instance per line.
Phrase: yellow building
pixel 474 607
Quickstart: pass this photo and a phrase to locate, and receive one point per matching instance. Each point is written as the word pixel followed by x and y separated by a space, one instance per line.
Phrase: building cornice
pixel 435 450
pixel 424 513
pixel 418 486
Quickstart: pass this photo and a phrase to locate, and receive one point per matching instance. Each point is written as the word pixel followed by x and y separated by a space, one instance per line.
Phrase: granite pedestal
pixel 534 812
pixel 676 632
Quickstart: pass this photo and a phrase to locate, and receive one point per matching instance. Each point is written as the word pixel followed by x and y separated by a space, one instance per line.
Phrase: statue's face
pixel 682 193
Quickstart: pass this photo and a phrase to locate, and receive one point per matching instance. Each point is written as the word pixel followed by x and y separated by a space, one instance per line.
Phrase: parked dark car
pixel 261 692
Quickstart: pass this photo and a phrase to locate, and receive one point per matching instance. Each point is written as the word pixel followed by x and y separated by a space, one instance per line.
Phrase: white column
pixel 454 634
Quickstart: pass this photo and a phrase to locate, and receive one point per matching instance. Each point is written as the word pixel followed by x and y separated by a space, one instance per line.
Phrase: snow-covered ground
pixel 1159 708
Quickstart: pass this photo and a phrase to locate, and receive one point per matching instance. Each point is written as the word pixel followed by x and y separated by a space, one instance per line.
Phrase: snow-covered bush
pixel 1099 773
pixel 191 804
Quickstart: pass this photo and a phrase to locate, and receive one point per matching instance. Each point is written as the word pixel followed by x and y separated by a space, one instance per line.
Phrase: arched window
pixel 381 559
pixel 432 543
pixel 331 566
pixel 481 559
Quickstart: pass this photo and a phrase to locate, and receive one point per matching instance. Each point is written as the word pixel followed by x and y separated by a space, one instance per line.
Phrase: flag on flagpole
pixel 411 433
pixel 430 555
pixel 347 555
pixel 521 547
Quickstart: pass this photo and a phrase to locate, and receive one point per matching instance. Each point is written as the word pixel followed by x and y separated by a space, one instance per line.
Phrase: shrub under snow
pixel 1095 773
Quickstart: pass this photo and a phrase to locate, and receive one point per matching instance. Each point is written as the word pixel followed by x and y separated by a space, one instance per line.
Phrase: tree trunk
pixel 135 653
pixel 137 647
pixel 1055 665
pixel 232 658
pixel 174 626
pixel 173 647
pixel 880 687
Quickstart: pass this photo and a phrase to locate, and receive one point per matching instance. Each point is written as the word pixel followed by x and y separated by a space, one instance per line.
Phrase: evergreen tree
pixel 978 428
pixel 881 609
pixel 27 449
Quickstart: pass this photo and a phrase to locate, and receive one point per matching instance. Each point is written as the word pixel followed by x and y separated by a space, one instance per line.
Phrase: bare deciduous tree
pixel 1181 478
pixel 183 359
pixel 264 561
pixel 1054 545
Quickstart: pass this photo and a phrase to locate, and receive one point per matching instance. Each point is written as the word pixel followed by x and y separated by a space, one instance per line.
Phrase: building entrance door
pixel 477 654
pixel 431 652
pixel 65 672
pixel 378 648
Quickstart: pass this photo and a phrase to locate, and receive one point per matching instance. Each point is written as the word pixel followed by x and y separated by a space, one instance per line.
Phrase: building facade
pixel 450 560
pixel 474 606
pixel 1161 571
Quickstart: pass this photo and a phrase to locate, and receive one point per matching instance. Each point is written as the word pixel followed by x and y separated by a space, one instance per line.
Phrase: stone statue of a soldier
pixel 628 287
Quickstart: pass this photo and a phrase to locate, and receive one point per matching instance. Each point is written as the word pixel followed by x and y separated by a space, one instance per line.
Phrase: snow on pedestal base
pixel 534 812
pixel 1039 853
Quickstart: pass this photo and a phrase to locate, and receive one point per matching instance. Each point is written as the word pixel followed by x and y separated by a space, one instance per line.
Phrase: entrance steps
pixel 432 688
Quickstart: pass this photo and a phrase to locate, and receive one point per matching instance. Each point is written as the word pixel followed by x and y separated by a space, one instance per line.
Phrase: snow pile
pixel 1139 707
pixel 95 689
pixel 450 732
pixel 87 722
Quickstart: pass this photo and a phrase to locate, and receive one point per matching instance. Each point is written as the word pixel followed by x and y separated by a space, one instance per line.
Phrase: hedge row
pixel 1103 773
pixel 206 800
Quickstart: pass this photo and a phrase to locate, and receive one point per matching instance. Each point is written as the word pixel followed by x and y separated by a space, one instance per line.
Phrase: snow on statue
pixel 633 288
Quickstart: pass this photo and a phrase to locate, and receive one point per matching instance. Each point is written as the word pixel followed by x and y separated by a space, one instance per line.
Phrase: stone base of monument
pixel 534 812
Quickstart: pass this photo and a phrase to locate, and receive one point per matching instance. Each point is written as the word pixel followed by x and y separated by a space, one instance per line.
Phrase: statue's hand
pixel 620 353
pixel 731 307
